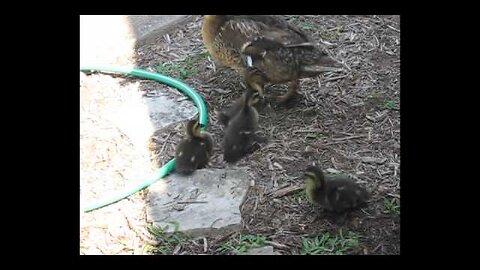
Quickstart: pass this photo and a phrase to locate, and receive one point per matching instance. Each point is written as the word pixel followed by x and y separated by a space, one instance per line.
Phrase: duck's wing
pixel 244 28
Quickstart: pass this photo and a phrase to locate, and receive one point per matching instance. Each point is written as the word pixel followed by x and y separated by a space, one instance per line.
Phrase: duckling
pixel 225 116
pixel 240 132
pixel 283 53
pixel 335 193
pixel 193 152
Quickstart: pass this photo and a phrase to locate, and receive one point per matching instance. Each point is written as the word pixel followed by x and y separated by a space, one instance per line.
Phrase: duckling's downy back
pixel 240 132
pixel 194 151
pixel 343 193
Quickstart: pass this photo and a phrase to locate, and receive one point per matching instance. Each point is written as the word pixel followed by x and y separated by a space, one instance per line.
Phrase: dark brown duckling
pixel 193 152
pixel 240 132
pixel 226 115
pixel 334 193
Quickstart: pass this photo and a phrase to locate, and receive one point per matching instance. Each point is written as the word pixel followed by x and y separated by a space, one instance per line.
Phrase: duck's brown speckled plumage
pixel 280 51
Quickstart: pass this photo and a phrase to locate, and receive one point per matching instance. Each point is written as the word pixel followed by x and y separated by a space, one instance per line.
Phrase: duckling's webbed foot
pixel 292 91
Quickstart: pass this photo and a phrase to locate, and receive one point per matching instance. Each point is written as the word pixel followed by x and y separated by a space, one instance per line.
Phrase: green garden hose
pixel 167 168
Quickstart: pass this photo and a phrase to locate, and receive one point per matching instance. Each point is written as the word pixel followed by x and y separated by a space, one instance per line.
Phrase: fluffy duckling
pixel 225 116
pixel 281 52
pixel 335 193
pixel 240 132
pixel 193 152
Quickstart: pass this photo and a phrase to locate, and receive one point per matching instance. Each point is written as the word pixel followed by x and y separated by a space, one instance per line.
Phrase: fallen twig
pixel 349 138
pixel 393 195
pixel 331 143
pixel 307 131
pixel 286 191
pixel 335 78
pixel 187 202
pixel 164 144
pixel 205 244
pixel 276 245
pixel 225 236
pixel 373 160
pixel 393 28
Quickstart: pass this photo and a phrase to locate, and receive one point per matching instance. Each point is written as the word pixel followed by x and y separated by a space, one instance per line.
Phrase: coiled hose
pixel 169 166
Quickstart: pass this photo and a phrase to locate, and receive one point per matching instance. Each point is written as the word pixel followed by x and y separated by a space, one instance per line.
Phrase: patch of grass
pixel 312 136
pixel 182 70
pixel 380 101
pixel 167 242
pixel 327 244
pixel 330 35
pixel 291 18
pixel 374 94
pixel 300 196
pixel 307 26
pixel 301 22
pixel 391 206
pixel 202 55
pixel 177 70
pixel 376 99
pixel 166 68
pixel 391 105
pixel 241 245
